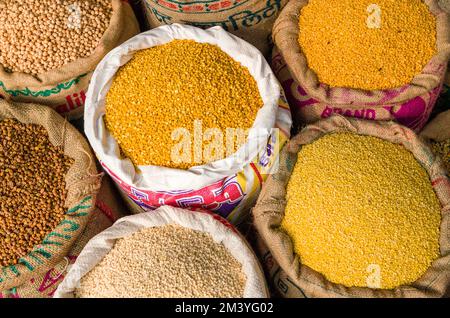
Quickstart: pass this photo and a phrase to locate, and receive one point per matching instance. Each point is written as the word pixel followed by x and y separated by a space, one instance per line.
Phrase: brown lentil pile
pixel 442 149
pixel 166 261
pixel 41 35
pixel 355 203
pixel 170 86
pixel 345 52
pixel 32 188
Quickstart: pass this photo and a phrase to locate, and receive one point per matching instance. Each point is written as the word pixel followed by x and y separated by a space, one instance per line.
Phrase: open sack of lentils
pixel 192 129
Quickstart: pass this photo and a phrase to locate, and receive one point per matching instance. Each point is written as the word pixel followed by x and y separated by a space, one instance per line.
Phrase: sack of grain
pixel 46 208
pixel 43 285
pixel 59 79
pixel 350 198
pixel 140 108
pixel 445 5
pixel 250 20
pixel 350 92
pixel 219 264
pixel 437 133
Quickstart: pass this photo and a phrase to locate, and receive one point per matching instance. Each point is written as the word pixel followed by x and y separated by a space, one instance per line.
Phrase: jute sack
pixel 251 20
pixel 220 230
pixel 64 89
pixel 107 210
pixel 439 128
pixel 82 184
pixel 269 212
pixel 229 186
pixel 310 100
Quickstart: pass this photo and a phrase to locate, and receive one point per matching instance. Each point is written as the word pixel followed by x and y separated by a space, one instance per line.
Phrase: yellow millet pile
pixel 442 148
pixel 345 52
pixel 355 203
pixel 168 87
pixel 41 35
pixel 167 261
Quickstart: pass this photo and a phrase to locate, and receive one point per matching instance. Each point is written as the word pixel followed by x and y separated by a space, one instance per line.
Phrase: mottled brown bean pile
pixel 40 35
pixel 32 188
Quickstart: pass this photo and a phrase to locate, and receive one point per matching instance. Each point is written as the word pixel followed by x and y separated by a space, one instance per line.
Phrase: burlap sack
pixel 229 186
pixel 269 211
pixel 251 20
pixel 107 210
pixel 82 183
pixel 220 230
pixel 64 89
pixel 410 105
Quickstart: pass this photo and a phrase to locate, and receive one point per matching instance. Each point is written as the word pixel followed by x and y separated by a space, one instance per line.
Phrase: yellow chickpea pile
pixel 40 35
pixel 362 211
pixel 168 87
pixel 345 52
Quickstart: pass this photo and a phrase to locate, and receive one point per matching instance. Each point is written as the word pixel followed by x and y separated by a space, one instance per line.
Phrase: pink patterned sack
pixel 310 100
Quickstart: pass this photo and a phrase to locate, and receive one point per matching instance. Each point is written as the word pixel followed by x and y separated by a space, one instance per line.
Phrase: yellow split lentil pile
pixel 359 206
pixel 345 52
pixel 169 87
pixel 442 148
pixel 166 261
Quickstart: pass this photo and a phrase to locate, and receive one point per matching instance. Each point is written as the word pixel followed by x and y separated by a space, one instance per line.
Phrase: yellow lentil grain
pixel 358 201
pixel 345 52
pixel 442 149
pixel 168 87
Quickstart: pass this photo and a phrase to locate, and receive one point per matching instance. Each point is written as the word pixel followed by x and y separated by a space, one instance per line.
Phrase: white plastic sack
pixel 229 186
pixel 220 230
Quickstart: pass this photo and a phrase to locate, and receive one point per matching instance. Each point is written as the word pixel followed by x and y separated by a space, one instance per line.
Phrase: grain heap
pixel 41 35
pixel 357 203
pixel 344 49
pixel 166 261
pixel 32 188
pixel 170 86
